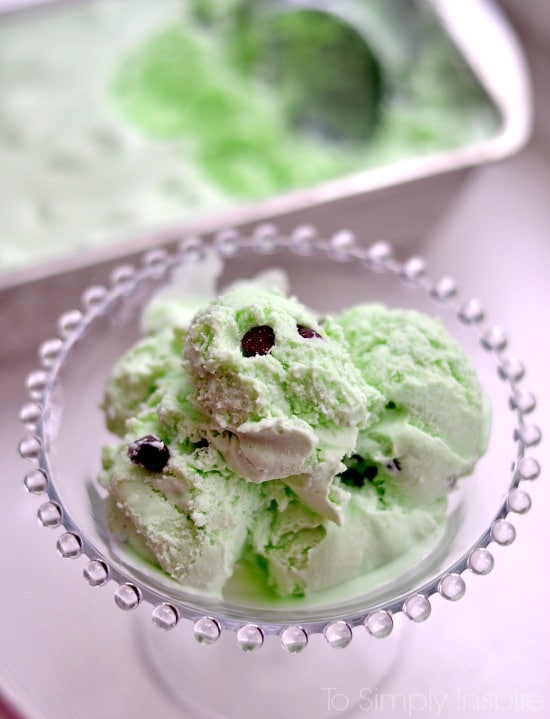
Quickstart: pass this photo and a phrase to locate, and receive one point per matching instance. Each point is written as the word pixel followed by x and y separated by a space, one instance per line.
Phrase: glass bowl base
pixel 222 681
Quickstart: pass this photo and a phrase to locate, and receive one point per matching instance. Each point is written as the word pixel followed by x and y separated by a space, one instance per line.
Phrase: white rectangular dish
pixel 400 200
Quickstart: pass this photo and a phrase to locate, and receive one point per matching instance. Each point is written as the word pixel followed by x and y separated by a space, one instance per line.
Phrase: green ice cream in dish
pixel 314 449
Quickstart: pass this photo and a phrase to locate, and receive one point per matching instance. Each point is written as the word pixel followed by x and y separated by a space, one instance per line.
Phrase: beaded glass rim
pixel 265 239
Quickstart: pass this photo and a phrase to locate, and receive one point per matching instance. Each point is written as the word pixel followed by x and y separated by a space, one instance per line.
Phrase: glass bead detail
pixel 519 501
pixel 444 290
pixel 417 608
pixel 494 339
pixel 265 239
pixel 36 481
pixel 338 634
pixel 302 240
pixel 503 532
pixel 69 545
pixel 49 514
pixel 340 246
pixel 529 434
pixel 127 597
pixel 96 573
pixel 379 624
pixel 471 312
pixel 250 637
pixel 413 270
pixel 29 448
pixel 481 561
pixel 452 587
pixel 192 248
pixel 68 322
pixel 36 384
pixel 30 414
pixel 528 468
pixel 206 630
pixel 165 616
pixel 377 256
pixel 49 351
pixel 227 242
pixel 523 401
pixel 123 276
pixel 155 259
pixel 511 369
pixel 294 639
pixel 93 296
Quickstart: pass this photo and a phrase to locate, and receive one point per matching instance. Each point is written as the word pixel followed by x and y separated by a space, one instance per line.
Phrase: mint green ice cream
pixel 292 413
pixel 435 421
pixel 316 451
pixel 120 117
pixel 267 97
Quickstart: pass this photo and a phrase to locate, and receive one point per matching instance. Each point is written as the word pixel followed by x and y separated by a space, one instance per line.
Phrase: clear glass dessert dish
pixel 66 431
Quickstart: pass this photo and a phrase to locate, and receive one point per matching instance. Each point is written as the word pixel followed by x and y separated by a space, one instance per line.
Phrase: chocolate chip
pixel 308 332
pixel 371 471
pixel 258 341
pixel 358 471
pixel 149 452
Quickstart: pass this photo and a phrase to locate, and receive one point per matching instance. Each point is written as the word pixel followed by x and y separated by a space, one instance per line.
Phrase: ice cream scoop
pixel 435 421
pixel 282 398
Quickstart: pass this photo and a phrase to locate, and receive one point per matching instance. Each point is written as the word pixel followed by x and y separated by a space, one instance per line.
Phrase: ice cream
pixel 281 396
pixel 432 428
pixel 239 85
pixel 145 115
pixel 316 450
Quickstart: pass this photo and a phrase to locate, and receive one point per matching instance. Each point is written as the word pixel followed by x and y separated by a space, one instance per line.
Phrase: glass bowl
pixel 66 432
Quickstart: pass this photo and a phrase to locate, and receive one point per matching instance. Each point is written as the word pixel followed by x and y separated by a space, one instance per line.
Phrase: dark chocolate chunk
pixel 371 471
pixel 391 405
pixel 308 332
pixel 358 471
pixel 258 341
pixel 149 452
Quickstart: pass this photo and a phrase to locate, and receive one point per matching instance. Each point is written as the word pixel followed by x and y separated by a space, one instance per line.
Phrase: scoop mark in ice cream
pixel 307 332
pixel 258 341
pixel 149 452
